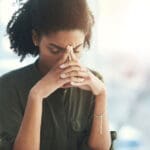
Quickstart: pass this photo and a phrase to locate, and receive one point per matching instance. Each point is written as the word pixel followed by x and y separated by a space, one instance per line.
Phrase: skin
pixel 59 63
pixel 46 47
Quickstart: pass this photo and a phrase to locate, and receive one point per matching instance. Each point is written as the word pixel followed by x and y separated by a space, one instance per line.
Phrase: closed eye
pixel 54 50
pixel 78 49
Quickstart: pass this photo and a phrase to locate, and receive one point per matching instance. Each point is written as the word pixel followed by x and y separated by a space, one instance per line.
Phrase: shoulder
pixel 97 74
pixel 14 82
pixel 16 74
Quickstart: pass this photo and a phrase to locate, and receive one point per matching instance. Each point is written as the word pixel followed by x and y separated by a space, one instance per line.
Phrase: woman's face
pixel 52 47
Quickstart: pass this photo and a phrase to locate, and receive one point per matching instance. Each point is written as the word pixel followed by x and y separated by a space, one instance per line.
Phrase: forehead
pixel 64 38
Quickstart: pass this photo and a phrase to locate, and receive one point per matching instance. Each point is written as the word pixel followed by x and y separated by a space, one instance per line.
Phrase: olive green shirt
pixel 66 116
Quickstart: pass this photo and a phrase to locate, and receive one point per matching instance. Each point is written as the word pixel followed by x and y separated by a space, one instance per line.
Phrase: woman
pixel 55 103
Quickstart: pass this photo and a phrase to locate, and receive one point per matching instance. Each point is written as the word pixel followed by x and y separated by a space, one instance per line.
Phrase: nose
pixel 65 54
pixel 68 49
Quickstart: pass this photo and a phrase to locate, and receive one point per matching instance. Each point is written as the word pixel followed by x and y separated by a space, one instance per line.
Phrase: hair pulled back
pixel 46 16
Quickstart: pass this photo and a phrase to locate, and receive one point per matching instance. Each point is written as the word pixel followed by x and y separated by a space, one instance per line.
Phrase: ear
pixel 35 38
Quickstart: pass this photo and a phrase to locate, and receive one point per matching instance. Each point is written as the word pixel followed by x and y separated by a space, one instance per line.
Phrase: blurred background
pixel 120 51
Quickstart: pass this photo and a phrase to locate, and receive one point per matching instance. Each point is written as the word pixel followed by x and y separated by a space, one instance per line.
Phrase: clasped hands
pixel 79 75
pixel 67 72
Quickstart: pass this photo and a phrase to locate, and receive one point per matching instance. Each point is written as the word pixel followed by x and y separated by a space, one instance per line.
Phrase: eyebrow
pixel 62 48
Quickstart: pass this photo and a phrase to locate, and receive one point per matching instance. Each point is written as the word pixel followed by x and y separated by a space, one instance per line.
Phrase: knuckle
pixel 72 78
pixel 71 67
pixel 89 78
pixel 78 79
pixel 69 63
pixel 79 68
pixel 77 73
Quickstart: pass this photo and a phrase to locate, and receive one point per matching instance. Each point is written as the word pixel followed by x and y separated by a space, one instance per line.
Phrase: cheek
pixel 47 58
pixel 78 56
pixel 79 53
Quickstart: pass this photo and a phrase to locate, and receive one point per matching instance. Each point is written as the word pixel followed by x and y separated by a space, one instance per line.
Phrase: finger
pixel 73 56
pixel 69 57
pixel 77 79
pixel 67 85
pixel 71 68
pixel 69 48
pixel 77 83
pixel 63 81
pixel 80 74
pixel 70 63
pixel 62 60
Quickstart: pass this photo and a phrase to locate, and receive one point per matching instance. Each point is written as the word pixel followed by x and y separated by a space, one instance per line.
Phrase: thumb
pixel 73 56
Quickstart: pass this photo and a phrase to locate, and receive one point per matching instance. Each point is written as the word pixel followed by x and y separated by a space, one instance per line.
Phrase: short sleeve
pixel 98 75
pixel 10 113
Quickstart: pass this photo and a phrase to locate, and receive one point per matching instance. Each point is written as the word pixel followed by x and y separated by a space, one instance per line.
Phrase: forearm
pixel 28 137
pixel 99 138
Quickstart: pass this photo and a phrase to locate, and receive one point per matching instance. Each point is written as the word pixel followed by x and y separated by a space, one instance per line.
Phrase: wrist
pixel 101 100
pixel 97 87
pixel 33 95
pixel 100 106
pixel 102 93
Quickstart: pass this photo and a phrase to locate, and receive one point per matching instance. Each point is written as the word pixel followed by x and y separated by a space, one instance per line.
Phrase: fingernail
pixel 63 75
pixel 81 80
pixel 69 47
pixel 69 57
pixel 72 83
pixel 62 66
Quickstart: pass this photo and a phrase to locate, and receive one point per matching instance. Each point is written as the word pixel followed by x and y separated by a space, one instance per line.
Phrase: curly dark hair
pixel 45 16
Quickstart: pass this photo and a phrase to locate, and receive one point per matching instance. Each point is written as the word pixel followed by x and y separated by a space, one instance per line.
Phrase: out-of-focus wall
pixel 122 48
